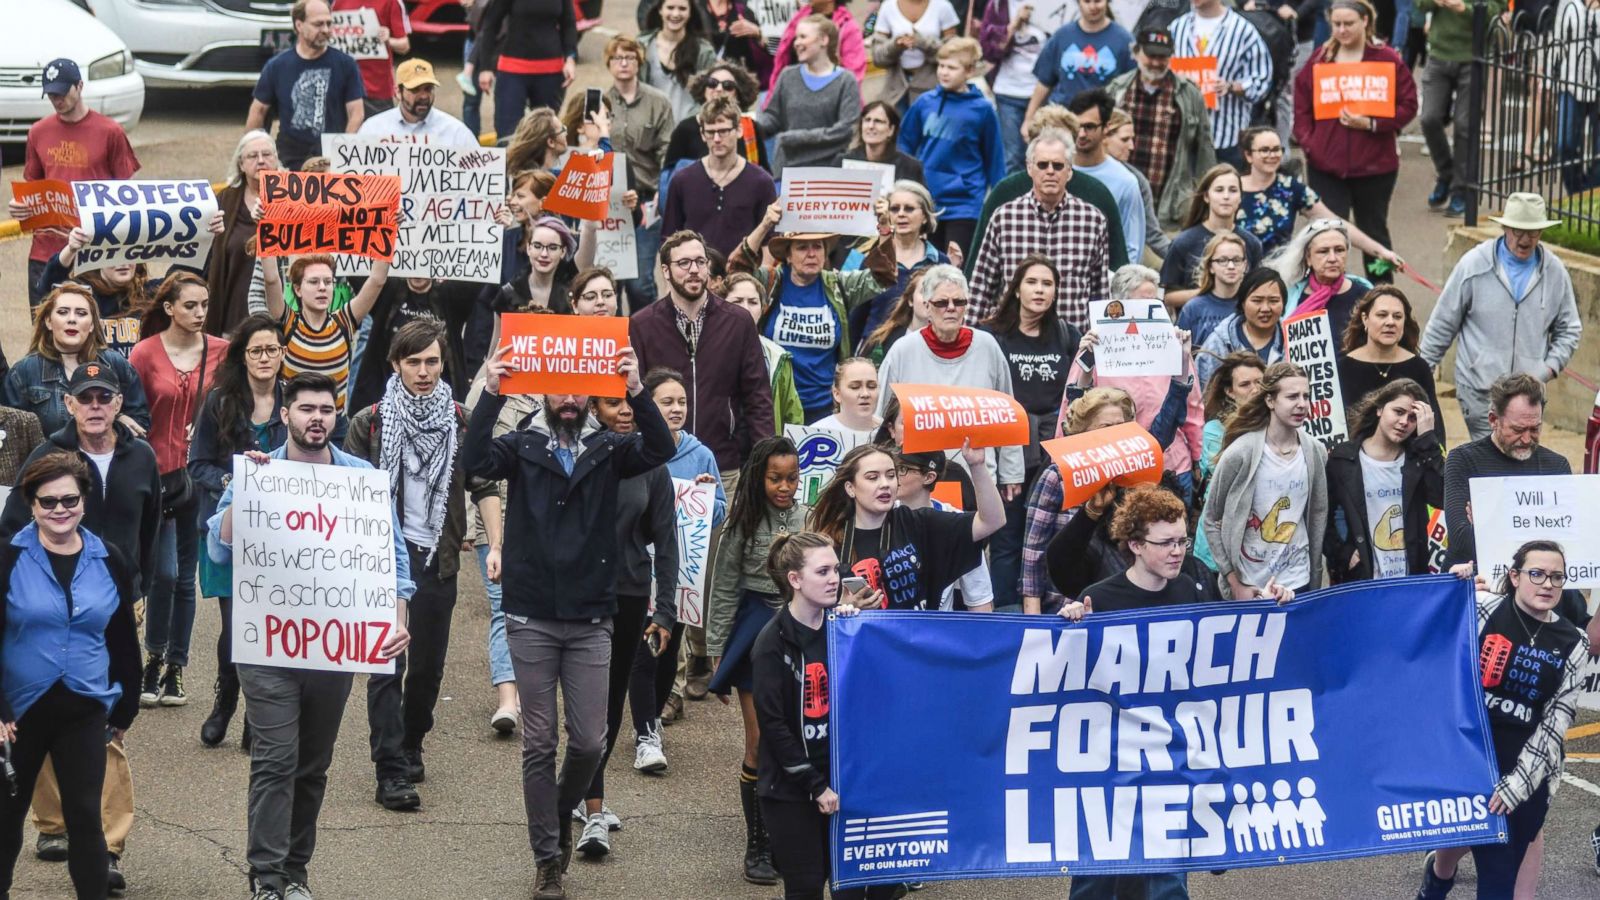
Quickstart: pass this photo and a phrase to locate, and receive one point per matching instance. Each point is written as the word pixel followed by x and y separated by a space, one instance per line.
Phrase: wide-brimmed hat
pixel 1525 212
pixel 780 244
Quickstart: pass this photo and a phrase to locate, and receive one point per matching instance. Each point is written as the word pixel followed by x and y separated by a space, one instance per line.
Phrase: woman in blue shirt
pixel 69 661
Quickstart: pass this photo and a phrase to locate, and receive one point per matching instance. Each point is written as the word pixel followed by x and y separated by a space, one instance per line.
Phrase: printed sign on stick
pixel 553 354
pixel 1125 454
pixel 832 201
pixel 583 189
pixel 941 417
pixel 48 203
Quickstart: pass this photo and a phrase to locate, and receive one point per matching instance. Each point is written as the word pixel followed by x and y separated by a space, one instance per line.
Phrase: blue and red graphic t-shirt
pixel 1074 60
pixel 1522 661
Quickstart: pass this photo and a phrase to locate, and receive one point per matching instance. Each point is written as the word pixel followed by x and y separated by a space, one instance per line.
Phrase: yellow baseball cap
pixel 414 73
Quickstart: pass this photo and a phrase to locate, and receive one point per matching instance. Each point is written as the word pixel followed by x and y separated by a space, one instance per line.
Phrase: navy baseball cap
pixel 93 375
pixel 60 75
pixel 1155 42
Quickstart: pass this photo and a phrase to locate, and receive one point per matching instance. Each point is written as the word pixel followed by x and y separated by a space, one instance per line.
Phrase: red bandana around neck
pixel 954 349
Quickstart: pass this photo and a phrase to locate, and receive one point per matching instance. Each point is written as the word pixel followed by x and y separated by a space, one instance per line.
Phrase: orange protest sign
pixel 948 493
pixel 1202 70
pixel 752 148
pixel 1125 454
pixel 321 212
pixel 49 204
pixel 583 189
pixel 552 354
pixel 1363 88
pixel 940 417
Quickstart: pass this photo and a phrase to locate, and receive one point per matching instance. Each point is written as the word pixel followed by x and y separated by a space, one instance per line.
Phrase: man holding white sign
pixel 296 673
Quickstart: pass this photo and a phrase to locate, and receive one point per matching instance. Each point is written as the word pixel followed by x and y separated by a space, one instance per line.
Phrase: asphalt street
pixel 683 833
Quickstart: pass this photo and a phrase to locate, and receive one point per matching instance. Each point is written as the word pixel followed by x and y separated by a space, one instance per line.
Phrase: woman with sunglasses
pixel 241 413
pixel 70 657
pixel 1520 635
pixel 725 79
pixel 1313 268
pixel 908 208
pixel 1274 200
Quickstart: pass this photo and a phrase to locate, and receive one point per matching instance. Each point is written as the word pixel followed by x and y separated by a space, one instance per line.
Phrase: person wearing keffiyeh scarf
pixel 419 442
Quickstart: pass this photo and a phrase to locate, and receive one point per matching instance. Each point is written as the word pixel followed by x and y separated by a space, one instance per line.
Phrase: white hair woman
pixel 232 266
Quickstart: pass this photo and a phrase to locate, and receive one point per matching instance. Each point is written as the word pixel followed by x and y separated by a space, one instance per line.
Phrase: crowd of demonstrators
pixel 1084 156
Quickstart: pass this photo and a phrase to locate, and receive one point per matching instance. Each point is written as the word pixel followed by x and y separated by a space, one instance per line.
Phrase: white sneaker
pixel 504 720
pixel 613 823
pixel 297 891
pixel 596 839
pixel 647 755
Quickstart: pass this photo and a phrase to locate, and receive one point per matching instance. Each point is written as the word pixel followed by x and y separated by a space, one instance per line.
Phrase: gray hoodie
pixel 1498 335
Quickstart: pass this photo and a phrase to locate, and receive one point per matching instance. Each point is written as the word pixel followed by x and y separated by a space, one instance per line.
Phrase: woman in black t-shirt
pixel 1519 633
pixel 908 556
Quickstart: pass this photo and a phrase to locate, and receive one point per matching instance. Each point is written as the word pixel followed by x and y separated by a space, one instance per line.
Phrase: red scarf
pixel 953 350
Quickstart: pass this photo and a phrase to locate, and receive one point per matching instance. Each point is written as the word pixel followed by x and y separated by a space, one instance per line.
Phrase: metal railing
pixel 1534 109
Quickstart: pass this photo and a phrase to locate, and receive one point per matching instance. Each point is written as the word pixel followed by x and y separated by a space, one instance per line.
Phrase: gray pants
pixel 294 716
pixel 1474 408
pixel 578 656
pixel 1444 101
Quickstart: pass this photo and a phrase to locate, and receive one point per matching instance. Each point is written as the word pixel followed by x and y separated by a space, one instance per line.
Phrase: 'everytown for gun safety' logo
pixel 889 843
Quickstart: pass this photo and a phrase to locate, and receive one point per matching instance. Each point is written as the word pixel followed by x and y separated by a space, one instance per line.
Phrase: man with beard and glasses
pixel 730 394
pixel 295 713
pixel 413 113
pixel 313 89
pixel 415 433
pixel 559 582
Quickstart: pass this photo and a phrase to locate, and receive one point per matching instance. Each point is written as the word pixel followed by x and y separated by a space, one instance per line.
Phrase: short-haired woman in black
pixel 70 662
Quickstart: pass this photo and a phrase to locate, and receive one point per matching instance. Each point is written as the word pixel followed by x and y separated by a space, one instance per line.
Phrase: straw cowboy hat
pixel 1525 212
pixel 779 246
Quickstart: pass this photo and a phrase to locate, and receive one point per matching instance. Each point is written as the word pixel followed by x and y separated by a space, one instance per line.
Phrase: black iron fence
pixel 1534 105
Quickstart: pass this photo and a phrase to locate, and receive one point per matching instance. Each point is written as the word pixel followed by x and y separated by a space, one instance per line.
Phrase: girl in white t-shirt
pixel 904 43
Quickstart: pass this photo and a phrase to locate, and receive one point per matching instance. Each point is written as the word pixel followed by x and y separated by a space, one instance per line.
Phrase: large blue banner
pixel 1219 736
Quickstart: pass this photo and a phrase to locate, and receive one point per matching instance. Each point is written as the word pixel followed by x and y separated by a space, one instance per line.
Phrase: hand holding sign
pixel 43 205
pixel 1365 89
pixel 941 417
pixel 1123 454
pixel 551 354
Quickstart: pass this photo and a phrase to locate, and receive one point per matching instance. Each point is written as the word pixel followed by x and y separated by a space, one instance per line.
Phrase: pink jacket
pixel 852 46
pixel 1147 392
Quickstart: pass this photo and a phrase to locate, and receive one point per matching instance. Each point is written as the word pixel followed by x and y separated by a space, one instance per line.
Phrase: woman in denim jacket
pixel 67 333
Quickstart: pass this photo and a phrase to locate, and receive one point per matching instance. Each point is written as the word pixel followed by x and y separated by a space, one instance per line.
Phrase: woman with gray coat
pixel 812 110
pixel 1267 506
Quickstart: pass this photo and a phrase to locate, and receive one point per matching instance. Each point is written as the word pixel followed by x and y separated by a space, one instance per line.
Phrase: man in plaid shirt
pixel 1171 127
pixel 1045 220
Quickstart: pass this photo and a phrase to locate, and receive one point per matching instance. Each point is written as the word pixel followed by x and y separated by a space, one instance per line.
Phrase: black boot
pixel 757 854
pixel 215 728
pixel 244 736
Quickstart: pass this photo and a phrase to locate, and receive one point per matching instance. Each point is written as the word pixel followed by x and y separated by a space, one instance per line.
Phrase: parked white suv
pixel 38 31
pixel 198 43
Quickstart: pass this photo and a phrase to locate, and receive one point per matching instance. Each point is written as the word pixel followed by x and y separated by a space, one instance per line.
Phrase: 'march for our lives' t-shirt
pixel 804 323
pixel 914 556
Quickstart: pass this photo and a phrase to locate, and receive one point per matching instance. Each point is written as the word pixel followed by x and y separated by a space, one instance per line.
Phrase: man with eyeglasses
pixel 312 88
pixel 1093 109
pixel 722 196
pixel 641 130
pixel 1171 125
pixel 1511 304
pixel 124 509
pixel 1050 221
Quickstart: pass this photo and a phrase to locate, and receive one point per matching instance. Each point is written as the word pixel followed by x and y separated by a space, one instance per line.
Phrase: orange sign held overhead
pixel 941 417
pixel 1363 88
pixel 553 354
pixel 322 212
pixel 583 190
pixel 1202 70
pixel 49 204
pixel 1125 454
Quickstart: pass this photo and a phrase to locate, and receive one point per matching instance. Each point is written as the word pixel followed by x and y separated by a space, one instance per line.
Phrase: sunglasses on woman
pixel 66 501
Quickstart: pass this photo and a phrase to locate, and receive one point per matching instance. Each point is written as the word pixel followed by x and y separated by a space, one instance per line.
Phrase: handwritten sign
pixel 695 504
pixel 1125 454
pixel 1509 512
pixel 143 222
pixel 450 198
pixel 1134 337
pixel 583 189
pixel 831 201
pixel 313 566
pixel 941 417
pixel 48 204
pixel 1202 70
pixel 615 246
pixel 1363 88
pixel 355 31
pixel 1308 343
pixel 820 451
pixel 321 212
pixel 553 354
pixel 884 171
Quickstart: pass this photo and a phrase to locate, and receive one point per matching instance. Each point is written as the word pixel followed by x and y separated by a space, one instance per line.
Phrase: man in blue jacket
pixel 559 582
pixel 295 713
pixel 955 132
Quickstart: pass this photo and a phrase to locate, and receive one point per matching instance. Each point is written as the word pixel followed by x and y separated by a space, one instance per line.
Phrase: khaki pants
pixel 694 636
pixel 116 800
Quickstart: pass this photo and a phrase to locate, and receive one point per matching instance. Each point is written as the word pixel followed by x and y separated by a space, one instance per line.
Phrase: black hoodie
pixel 125 512
pixel 784 659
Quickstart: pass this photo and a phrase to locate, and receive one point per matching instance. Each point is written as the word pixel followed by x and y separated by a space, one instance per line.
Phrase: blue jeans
pixel 513 93
pixel 1012 110
pixel 1005 548
pixel 642 290
pixel 471 104
pixel 1576 121
pixel 169 614
pixel 1113 887
pixel 500 671
pixel 1402 26
pixel 363 333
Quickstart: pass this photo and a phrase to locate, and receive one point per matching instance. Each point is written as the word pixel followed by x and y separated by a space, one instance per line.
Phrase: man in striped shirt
pixel 1242 69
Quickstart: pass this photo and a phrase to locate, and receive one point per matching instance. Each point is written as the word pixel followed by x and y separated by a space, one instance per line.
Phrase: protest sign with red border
pixel 323 212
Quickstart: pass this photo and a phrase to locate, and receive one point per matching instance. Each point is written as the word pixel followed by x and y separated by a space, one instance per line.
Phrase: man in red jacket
pixel 730 396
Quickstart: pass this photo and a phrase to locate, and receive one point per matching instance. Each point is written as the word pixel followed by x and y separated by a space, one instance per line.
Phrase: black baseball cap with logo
pixel 93 375
pixel 1155 42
